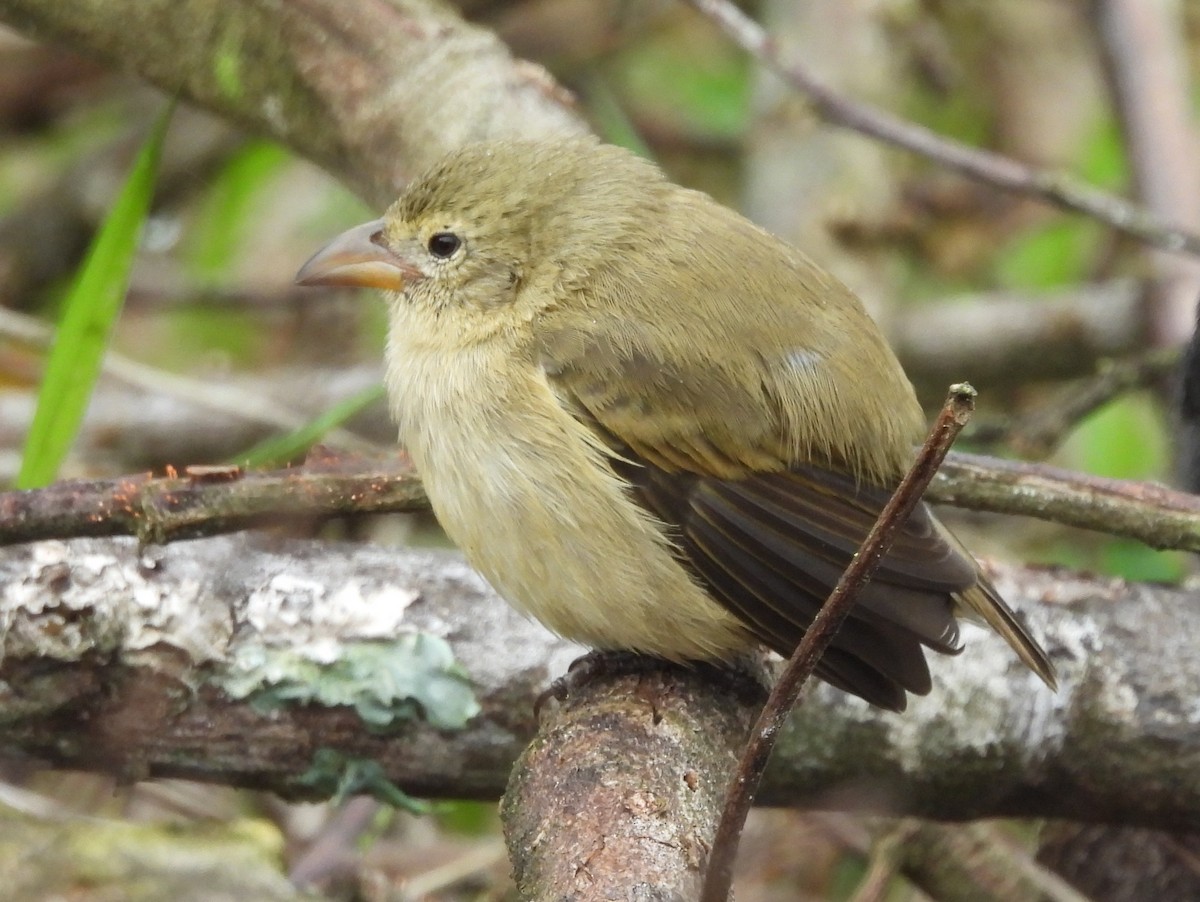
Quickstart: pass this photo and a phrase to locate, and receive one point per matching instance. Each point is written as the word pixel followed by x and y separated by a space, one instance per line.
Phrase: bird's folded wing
pixel 771 547
pixel 767 537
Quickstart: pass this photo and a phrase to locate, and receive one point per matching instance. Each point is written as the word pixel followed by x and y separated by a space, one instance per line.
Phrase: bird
pixel 651 424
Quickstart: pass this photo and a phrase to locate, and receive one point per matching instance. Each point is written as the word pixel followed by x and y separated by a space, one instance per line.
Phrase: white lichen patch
pixel 71 602
pixel 983 703
pixel 306 612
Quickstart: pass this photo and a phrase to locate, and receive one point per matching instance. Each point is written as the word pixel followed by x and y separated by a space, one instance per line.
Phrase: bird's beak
pixel 359 258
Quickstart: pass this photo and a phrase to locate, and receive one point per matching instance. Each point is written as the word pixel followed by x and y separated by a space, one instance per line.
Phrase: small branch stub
pixel 961 403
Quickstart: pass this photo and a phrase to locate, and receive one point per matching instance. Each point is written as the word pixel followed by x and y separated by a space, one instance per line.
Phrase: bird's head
pixel 488 220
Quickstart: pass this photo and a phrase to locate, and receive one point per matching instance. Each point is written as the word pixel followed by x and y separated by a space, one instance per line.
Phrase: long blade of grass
pixel 90 310
pixel 279 450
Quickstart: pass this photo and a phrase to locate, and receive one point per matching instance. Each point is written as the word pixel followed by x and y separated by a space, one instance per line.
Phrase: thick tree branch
pixel 114 662
pixel 371 91
pixel 619 792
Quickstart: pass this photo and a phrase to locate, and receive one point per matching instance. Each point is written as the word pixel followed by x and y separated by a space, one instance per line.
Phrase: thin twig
pixel 205 503
pixel 994 169
pixel 956 412
pixel 211 500
pixel 1147 511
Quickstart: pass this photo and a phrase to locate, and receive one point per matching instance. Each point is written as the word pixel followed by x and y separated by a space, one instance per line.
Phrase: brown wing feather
pixel 774 569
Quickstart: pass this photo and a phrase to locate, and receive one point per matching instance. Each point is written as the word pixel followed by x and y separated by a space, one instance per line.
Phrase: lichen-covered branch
pixel 125 663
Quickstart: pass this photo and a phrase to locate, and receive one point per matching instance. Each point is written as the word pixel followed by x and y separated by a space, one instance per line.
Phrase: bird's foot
pixel 595 665
pixel 747 675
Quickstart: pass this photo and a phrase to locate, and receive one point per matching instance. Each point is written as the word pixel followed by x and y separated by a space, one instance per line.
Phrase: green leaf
pixel 90 310
pixel 279 450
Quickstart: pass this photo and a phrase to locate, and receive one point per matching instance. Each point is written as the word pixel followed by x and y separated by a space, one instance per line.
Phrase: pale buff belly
pixel 527 495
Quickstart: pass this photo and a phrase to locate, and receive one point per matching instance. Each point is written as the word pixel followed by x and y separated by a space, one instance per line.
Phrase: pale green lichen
pixel 413 677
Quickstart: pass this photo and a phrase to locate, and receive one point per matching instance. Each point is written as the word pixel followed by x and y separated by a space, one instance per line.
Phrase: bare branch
pixel 1146 511
pixel 1057 189
pixel 211 500
pixel 214 502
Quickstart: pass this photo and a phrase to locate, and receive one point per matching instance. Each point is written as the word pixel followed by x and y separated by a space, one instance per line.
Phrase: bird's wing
pixel 642 390
pixel 703 450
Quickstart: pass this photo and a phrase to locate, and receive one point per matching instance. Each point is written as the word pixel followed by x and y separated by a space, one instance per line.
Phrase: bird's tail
pixel 983 602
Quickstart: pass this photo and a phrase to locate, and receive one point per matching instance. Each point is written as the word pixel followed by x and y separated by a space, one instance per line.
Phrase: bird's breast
pixel 526 492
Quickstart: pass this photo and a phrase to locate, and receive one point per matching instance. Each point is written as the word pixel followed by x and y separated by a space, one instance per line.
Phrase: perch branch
pixel 211 502
pixel 109 664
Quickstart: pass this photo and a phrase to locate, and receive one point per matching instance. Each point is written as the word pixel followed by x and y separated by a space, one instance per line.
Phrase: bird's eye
pixel 444 244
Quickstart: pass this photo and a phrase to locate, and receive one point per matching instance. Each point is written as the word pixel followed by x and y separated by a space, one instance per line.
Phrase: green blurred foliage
pixel 468 818
pixel 1055 254
pixel 1126 439
pixel 220 227
pixel 846 877
pixel 686 79
pixel 1065 250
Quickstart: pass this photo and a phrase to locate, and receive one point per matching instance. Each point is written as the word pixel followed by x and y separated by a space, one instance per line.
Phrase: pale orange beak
pixel 359 258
